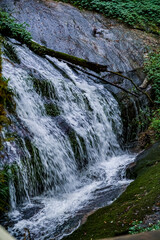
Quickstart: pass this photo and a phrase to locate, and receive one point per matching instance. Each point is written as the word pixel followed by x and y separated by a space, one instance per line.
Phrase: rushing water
pixel 66 155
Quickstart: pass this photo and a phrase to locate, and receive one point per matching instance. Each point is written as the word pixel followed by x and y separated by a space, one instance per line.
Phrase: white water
pixel 62 181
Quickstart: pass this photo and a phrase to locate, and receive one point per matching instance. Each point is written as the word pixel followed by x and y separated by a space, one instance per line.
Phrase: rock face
pixel 91 36
pixel 65 28
pixel 147 158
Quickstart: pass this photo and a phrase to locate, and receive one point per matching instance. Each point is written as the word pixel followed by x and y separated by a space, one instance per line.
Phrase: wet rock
pixel 83 34
pixel 93 37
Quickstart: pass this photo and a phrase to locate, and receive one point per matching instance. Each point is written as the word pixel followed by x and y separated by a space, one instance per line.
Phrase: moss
pixel 5 99
pixel 10 52
pixel 42 51
pixel 79 149
pixel 144 161
pixel 52 110
pixel 134 204
pixel 44 88
pixel 4 191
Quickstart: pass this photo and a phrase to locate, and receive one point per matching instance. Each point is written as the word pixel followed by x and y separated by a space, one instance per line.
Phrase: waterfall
pixel 66 152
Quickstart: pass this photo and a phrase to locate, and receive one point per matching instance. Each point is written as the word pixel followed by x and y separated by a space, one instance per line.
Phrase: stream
pixel 66 155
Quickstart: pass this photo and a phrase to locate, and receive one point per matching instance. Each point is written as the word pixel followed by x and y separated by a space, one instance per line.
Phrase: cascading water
pixel 67 159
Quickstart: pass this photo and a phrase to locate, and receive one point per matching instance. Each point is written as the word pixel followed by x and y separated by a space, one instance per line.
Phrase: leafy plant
pixel 155 124
pixel 143 14
pixel 152 68
pixel 9 27
pixel 139 227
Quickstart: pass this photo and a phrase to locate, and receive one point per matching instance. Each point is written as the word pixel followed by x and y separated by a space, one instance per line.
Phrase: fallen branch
pixel 42 51
pixel 119 74
pixel 102 80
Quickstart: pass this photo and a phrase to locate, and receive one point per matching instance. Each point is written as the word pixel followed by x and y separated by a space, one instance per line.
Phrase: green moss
pixel 8 27
pixel 79 149
pixel 42 51
pixel 5 98
pixel 134 204
pixel 44 88
pixel 4 191
pixel 52 110
pixel 10 52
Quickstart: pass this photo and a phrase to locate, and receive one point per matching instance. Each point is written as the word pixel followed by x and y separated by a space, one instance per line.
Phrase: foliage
pixel 9 27
pixel 143 14
pixel 155 124
pixel 4 190
pixel 138 227
pixel 152 68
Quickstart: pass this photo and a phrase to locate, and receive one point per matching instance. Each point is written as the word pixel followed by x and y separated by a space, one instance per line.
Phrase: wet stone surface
pixel 84 34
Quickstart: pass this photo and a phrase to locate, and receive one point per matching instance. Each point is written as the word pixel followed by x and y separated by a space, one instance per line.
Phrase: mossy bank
pixel 133 205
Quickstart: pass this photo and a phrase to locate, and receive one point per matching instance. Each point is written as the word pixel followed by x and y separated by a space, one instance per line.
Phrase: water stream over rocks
pixel 67 158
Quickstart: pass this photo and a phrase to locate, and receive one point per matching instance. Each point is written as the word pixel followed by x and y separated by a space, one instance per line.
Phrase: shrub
pixel 9 27
pixel 143 14
pixel 152 68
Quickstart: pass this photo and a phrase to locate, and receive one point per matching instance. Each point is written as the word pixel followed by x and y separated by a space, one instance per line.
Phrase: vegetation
pixel 52 109
pixel 5 100
pixel 4 191
pixel 10 52
pixel 9 27
pixel 152 68
pixel 142 14
pixel 138 199
pixel 138 227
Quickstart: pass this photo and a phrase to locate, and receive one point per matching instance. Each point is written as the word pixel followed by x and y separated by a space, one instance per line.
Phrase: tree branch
pixel 102 80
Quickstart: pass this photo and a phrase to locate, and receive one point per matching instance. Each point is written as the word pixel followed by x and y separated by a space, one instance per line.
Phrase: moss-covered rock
pixel 4 191
pixel 44 88
pixel 134 204
pixel 52 109
pixel 79 149
pixel 10 52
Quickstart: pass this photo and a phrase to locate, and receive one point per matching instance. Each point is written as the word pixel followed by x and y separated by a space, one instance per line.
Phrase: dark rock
pixel 145 159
